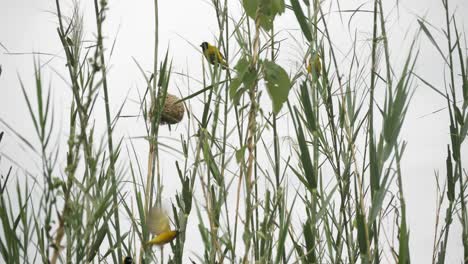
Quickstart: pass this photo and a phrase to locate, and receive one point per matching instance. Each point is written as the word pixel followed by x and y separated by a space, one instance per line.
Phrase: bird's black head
pixel 204 45
pixel 128 260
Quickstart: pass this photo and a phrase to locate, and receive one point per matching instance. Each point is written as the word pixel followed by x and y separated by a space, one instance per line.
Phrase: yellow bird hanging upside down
pixel 315 60
pixel 158 224
pixel 213 55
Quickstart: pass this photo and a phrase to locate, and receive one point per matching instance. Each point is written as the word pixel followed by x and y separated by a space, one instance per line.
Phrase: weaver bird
pixel 158 224
pixel 315 61
pixel 213 55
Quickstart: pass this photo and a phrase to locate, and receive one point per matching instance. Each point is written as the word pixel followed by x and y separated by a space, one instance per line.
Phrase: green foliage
pixel 309 178
pixel 246 78
pixel 450 178
pixel 302 20
pixel 264 10
pixel 277 84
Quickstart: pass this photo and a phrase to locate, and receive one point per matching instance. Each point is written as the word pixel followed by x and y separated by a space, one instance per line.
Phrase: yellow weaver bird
pixel 213 55
pixel 158 224
pixel 315 61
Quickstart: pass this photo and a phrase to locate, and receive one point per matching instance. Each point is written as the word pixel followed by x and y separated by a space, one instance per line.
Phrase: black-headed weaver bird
pixel 158 224
pixel 213 55
pixel 315 61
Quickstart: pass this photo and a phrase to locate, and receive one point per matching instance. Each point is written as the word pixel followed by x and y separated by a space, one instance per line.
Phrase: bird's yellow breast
pixel 163 238
pixel 214 56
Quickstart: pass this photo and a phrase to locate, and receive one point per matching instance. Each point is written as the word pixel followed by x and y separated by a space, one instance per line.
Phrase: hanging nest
pixel 173 111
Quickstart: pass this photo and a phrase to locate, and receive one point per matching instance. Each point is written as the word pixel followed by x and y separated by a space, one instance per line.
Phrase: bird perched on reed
pixel 213 55
pixel 158 224
pixel 315 61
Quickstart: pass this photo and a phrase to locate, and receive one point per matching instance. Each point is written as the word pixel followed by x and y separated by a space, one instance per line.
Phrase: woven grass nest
pixel 172 112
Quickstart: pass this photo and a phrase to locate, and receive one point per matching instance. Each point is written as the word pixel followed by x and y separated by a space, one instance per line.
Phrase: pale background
pixel 30 26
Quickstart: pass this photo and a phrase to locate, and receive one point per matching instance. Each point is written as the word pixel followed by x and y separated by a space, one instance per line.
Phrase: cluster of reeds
pixel 330 190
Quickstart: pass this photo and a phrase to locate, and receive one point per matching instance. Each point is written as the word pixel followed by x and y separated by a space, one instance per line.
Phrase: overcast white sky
pixel 30 26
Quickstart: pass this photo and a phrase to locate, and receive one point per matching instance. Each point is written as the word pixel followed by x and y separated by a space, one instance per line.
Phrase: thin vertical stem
pixel 100 46
pixel 251 135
